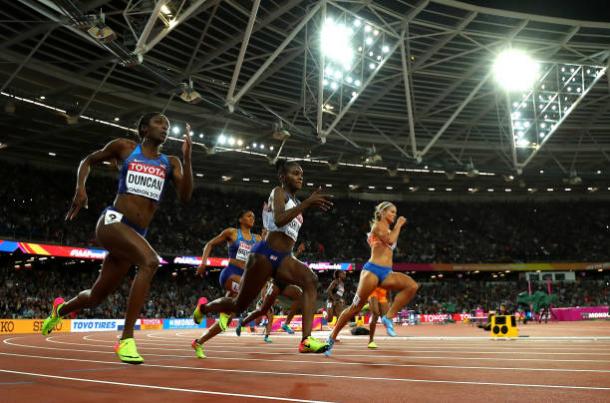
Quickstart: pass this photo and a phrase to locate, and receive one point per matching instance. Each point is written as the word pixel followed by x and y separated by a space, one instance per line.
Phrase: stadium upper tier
pixel 34 206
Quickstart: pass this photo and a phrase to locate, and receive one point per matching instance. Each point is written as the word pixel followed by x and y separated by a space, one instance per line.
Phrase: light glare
pixel 336 43
pixel 514 70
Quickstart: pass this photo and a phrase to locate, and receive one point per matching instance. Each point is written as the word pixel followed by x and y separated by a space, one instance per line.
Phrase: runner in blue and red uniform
pixel 121 229
pixel 240 242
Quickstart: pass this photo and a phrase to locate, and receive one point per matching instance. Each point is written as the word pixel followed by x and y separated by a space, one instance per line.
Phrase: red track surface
pixel 79 367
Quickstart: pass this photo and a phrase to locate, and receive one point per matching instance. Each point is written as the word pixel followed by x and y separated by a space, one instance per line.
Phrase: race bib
pixel 340 291
pixel 293 227
pixel 243 251
pixel 112 217
pixel 145 180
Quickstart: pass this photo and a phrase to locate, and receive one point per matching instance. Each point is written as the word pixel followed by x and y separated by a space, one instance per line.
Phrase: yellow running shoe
pixel 312 345
pixel 198 314
pixel 372 345
pixel 223 320
pixel 54 319
pixel 127 351
pixel 198 347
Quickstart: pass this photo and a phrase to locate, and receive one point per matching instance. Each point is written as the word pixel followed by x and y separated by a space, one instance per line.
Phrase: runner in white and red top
pixel 282 217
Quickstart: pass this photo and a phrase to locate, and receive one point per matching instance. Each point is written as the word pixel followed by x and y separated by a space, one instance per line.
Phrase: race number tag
pixel 243 251
pixel 145 180
pixel 112 217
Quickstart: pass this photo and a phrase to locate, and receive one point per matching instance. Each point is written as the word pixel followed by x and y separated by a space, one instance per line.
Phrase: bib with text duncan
pixel 145 180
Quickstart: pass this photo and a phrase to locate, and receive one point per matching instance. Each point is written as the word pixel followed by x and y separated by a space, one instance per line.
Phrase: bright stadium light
pixel 515 70
pixel 336 43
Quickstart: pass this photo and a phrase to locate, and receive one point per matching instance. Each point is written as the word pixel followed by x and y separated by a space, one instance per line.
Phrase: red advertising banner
pixel 151 324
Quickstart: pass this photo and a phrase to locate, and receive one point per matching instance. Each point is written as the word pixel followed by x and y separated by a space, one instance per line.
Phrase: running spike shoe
pixel 287 329
pixel 198 347
pixel 238 328
pixel 198 313
pixel 223 321
pixel 389 326
pixel 312 345
pixel 127 351
pixel 329 350
pixel 54 319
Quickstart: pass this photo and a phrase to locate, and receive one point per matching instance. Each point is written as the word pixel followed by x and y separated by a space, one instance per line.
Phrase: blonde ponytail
pixel 380 208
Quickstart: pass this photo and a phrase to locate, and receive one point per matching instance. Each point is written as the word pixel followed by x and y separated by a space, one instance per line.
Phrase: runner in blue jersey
pixel 122 227
pixel 282 217
pixel 239 242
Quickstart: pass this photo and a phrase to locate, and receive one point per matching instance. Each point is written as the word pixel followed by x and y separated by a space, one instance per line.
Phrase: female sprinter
pixel 378 305
pixel 265 307
pixel 273 258
pixel 122 227
pixel 378 272
pixel 335 291
pixel 269 294
pixel 239 242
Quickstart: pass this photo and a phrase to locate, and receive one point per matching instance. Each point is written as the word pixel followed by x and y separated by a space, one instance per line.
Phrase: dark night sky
pixel 592 10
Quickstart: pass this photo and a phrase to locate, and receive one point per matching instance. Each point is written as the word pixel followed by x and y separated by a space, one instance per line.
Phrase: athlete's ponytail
pixel 379 209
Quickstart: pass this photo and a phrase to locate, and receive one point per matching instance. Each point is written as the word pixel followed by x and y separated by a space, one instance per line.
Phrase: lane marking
pixel 167 388
pixel 444 358
pixel 408 380
pixel 330 362
pixel 273 350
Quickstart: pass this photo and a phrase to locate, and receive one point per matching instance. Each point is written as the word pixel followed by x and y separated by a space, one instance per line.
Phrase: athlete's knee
pixel 150 265
pixel 94 297
pixel 310 281
pixel 413 285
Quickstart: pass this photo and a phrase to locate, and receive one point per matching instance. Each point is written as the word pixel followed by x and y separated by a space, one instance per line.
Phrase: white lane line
pixel 277 350
pixel 279 346
pixel 367 378
pixel 364 363
pixel 444 358
pixel 137 385
pixel 230 334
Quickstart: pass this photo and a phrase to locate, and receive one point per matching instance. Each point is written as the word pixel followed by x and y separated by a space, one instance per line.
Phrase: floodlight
pixel 336 43
pixel 515 70
pixel 165 10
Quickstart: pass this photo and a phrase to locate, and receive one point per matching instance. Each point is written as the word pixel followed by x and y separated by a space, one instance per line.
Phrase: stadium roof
pixel 448 121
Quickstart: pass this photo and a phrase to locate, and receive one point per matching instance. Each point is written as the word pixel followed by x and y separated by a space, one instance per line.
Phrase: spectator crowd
pixel 33 208
pixel 33 203
pixel 174 291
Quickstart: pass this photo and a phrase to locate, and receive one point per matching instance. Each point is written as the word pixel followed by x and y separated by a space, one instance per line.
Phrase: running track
pixel 457 364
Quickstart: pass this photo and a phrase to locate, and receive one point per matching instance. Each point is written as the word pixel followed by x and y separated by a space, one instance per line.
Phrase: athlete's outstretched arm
pixel 113 151
pixel 282 217
pixel 226 236
pixel 183 172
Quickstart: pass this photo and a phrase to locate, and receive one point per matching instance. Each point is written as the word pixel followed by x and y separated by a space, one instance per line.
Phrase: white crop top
pixel 292 228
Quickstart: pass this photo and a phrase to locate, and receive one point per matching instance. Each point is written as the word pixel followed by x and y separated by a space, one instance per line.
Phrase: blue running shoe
pixel 329 350
pixel 389 326
pixel 238 328
pixel 287 329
